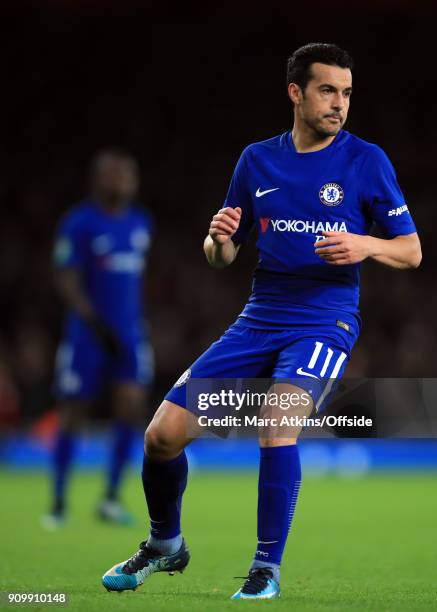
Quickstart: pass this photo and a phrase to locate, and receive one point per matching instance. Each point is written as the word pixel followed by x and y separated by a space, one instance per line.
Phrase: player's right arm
pixel 68 285
pixel 231 226
pixel 70 259
pixel 220 250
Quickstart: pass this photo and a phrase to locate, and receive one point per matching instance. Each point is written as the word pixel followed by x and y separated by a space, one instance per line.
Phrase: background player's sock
pixel 123 438
pixel 62 456
pixel 278 488
pixel 164 483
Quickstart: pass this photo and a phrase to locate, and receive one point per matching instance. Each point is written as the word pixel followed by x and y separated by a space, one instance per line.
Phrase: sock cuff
pixel 179 460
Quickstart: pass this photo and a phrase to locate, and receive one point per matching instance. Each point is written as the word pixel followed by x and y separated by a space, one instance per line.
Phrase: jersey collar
pixel 338 141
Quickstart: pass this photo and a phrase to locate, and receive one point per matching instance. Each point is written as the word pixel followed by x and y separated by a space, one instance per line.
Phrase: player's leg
pixel 76 382
pixel 131 375
pixel 71 415
pixel 164 475
pixel 278 487
pixel 129 401
pixel 165 472
pixel 311 364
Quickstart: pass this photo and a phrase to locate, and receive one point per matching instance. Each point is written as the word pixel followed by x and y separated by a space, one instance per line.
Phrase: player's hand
pixel 106 337
pixel 224 224
pixel 343 248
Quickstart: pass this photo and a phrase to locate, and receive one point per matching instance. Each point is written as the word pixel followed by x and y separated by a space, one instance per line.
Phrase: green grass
pixel 367 544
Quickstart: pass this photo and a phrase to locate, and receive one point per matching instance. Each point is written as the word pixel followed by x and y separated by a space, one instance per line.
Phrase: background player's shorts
pixel 83 368
pixel 311 357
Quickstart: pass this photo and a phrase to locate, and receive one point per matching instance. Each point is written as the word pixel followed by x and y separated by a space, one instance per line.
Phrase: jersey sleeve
pixel 383 196
pixel 70 249
pixel 146 225
pixel 239 195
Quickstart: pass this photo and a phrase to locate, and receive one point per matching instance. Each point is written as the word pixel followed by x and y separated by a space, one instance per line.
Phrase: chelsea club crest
pixel 183 378
pixel 331 194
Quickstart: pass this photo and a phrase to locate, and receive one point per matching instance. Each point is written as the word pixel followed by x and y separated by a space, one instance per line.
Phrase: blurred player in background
pixel 100 256
pixel 313 194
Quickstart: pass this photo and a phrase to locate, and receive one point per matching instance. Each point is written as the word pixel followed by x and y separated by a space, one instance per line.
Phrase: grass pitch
pixel 367 544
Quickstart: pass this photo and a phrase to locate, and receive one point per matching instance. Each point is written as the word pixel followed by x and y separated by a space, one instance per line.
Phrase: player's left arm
pixel 384 203
pixel 343 248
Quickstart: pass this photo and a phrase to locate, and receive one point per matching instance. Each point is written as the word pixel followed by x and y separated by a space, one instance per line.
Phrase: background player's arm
pixel 70 258
pixel 219 248
pixel 344 248
pixel 69 287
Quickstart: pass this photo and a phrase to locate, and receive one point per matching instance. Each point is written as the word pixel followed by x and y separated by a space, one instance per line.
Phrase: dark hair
pixel 117 152
pixel 299 64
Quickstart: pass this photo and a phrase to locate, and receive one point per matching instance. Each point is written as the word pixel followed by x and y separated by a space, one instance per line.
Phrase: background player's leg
pixel 165 471
pixel 78 378
pixel 130 374
pixel 71 417
pixel 129 407
pixel 279 483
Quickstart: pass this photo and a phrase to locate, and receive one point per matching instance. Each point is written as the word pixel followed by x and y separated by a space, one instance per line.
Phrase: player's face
pixel 116 178
pixel 324 104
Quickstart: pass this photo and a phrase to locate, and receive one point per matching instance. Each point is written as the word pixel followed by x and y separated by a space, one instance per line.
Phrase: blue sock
pixel 123 437
pixel 164 483
pixel 62 456
pixel 278 488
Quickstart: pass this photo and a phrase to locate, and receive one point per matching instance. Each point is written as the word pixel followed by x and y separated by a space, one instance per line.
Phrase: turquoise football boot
pixel 131 573
pixel 259 585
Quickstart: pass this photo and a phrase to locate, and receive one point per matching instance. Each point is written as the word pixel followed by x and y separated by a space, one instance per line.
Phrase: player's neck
pixel 306 140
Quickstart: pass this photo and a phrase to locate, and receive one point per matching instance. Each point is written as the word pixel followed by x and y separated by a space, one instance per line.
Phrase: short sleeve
pixel 239 195
pixel 70 247
pixel 383 196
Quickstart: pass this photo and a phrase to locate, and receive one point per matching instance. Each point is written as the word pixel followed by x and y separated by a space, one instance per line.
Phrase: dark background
pixel 186 90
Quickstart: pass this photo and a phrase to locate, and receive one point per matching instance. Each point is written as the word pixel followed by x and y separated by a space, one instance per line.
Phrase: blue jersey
pixel 291 198
pixel 110 251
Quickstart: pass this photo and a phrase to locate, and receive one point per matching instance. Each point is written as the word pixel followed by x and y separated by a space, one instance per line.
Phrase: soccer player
pixel 313 194
pixel 100 256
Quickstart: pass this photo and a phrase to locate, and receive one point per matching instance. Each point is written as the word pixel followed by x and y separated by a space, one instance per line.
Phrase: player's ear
pixel 295 93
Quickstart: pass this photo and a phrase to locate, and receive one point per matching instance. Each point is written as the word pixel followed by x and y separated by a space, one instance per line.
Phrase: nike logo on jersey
pixel 260 193
pixel 303 373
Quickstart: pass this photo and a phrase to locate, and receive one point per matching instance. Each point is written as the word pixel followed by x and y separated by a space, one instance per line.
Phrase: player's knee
pixel 158 444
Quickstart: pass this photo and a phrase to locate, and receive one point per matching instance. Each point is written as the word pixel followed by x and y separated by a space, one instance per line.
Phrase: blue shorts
pixel 83 368
pixel 311 357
